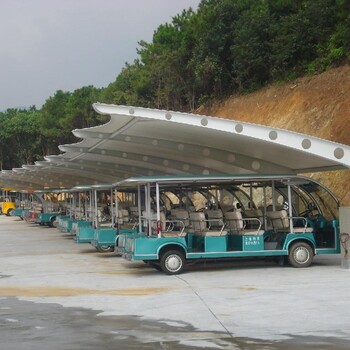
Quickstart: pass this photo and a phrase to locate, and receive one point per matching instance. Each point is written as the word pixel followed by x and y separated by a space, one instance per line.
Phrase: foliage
pixel 230 46
pixel 20 139
pixel 66 111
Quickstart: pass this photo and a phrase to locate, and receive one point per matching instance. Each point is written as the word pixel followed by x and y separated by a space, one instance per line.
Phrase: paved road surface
pixel 55 294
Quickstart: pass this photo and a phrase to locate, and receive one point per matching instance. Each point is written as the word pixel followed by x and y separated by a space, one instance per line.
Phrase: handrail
pixel 253 219
pixel 171 226
pixel 209 220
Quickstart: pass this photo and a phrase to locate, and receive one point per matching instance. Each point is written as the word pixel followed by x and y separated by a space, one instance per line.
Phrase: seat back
pixel 215 218
pixel 162 221
pixel 253 214
pixel 181 215
pixel 134 211
pixel 234 221
pixel 125 215
pixel 279 219
pixel 198 222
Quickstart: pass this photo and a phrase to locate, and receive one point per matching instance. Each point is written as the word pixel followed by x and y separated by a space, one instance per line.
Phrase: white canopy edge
pixel 148 142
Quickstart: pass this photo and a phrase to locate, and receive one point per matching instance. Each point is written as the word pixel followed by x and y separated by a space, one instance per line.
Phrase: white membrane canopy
pixel 148 142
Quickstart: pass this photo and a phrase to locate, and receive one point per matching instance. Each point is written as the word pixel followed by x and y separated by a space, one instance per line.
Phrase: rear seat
pixel 178 223
pixel 215 218
pixel 281 222
pixel 236 224
pixel 200 225
pixel 253 214
pixel 134 212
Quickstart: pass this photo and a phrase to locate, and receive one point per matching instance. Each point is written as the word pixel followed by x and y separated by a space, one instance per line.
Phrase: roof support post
pixel 149 215
pixel 111 210
pixel 159 224
pixel 90 200
pixel 273 196
pixel 96 210
pixel 71 205
pixel 79 204
pixel 265 208
pixel 139 206
pixel 74 206
pixel 290 208
pixel 116 200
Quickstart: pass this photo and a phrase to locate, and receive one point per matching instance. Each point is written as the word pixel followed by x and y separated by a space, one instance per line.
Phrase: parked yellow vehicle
pixel 7 205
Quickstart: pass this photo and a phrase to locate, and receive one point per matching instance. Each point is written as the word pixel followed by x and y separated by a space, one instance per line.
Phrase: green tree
pixel 78 109
pixel 53 123
pixel 298 36
pixel 20 139
pixel 251 49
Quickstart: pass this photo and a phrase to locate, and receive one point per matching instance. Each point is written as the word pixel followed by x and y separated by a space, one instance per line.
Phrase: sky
pixel 50 45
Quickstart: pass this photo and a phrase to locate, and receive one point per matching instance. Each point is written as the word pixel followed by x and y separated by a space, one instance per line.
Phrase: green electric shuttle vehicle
pixel 231 216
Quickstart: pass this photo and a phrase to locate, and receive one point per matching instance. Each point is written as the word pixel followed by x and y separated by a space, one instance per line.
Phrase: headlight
pixel 121 241
pixel 129 245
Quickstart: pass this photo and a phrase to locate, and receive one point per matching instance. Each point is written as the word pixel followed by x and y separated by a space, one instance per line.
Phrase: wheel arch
pixel 171 246
pixel 304 240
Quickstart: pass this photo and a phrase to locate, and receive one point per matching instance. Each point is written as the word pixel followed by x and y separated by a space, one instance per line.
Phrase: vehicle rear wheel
pixel 172 262
pixel 300 255
pixel 9 212
pixel 52 221
pixel 105 249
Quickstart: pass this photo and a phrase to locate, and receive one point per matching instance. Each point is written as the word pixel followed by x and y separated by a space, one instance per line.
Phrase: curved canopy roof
pixel 148 142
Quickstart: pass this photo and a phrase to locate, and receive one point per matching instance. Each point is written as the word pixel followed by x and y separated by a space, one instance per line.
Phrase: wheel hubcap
pixel 105 248
pixel 173 263
pixel 301 255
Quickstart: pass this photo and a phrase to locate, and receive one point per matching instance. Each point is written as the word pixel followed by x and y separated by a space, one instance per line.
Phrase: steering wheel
pixel 305 213
pixel 310 213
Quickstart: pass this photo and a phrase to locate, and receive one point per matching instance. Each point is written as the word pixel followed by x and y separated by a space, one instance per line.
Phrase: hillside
pixel 317 105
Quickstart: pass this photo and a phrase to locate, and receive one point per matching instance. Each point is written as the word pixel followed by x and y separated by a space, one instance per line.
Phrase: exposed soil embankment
pixel 317 106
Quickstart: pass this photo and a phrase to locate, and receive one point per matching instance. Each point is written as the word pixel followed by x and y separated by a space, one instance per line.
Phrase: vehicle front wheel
pixel 52 222
pixel 105 249
pixel 172 262
pixel 300 254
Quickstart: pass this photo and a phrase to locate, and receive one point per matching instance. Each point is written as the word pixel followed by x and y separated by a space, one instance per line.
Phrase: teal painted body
pixel 67 224
pixel 62 219
pixel 46 218
pixel 140 247
pixel 107 236
pixel 84 234
pixel 21 213
pixel 78 228
pixel 17 212
pixel 121 239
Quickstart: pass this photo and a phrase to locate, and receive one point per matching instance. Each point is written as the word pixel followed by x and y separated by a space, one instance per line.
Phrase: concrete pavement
pixel 48 283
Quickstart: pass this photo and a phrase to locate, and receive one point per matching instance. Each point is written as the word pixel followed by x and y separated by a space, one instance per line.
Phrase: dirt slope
pixel 317 106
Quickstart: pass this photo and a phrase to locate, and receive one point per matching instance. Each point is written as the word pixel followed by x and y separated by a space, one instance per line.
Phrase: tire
pixel 51 223
pixel 300 255
pixel 172 262
pixel 9 212
pixel 104 249
pixel 281 260
pixel 154 265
